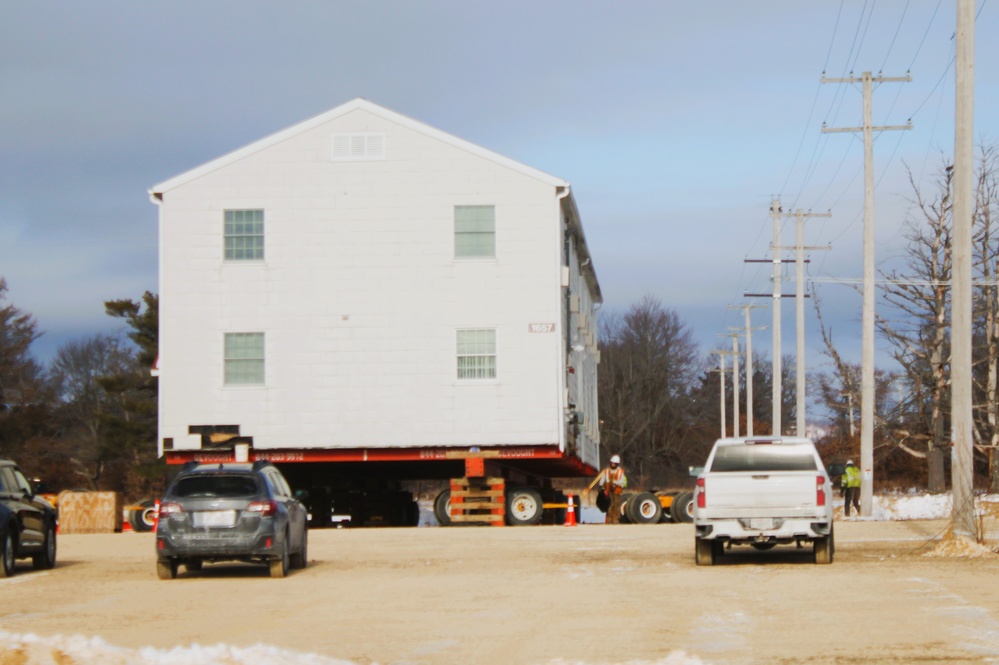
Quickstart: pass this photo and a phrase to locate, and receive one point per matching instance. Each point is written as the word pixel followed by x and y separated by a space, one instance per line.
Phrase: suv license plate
pixel 761 524
pixel 214 518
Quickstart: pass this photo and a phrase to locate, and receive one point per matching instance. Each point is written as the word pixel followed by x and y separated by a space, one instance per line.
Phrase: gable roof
pixel 356 104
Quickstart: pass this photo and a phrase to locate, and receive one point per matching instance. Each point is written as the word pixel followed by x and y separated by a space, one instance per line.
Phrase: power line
pixel 860 46
pixel 892 45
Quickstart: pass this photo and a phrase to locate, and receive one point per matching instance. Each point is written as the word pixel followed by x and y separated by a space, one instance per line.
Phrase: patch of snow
pixel 78 650
pixel 674 658
pixel 911 506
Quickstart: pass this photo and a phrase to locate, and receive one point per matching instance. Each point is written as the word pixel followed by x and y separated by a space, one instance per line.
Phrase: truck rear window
pixel 763 458
pixel 227 487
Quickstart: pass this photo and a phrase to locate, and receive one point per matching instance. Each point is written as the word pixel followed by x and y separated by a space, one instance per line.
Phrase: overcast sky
pixel 676 123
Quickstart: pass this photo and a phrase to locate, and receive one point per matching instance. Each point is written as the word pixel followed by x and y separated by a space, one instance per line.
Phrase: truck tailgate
pixel 763 494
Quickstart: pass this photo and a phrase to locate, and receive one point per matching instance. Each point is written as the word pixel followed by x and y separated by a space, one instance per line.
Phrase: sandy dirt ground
pixel 589 594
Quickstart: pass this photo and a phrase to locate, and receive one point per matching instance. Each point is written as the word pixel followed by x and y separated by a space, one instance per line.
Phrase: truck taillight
pixel 701 498
pixel 167 509
pixel 820 494
pixel 264 508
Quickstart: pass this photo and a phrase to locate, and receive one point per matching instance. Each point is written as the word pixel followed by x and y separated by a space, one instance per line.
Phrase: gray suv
pixel 27 522
pixel 230 512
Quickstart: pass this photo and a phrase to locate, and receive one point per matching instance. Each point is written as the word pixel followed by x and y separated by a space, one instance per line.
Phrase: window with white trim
pixel 244 359
pixel 475 232
pixel 244 235
pixel 477 354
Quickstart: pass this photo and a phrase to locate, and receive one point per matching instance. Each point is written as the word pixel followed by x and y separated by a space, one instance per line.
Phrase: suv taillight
pixel 701 497
pixel 168 509
pixel 820 495
pixel 264 508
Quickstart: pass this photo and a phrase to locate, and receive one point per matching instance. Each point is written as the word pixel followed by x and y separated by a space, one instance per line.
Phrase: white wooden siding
pixel 360 296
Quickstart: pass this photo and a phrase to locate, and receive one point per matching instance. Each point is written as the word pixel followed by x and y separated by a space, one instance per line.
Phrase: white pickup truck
pixel 763 492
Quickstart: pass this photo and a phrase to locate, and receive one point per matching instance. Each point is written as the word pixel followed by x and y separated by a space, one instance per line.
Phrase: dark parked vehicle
pixel 230 512
pixel 27 522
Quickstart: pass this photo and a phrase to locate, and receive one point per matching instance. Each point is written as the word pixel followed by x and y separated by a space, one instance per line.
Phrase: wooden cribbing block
pixel 478 501
pixel 89 512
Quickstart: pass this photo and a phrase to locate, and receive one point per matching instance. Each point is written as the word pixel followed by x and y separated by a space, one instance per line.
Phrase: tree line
pixel 88 420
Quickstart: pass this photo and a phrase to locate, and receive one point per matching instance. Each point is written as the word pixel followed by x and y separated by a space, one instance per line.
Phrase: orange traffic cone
pixel 126 527
pixel 156 516
pixel 570 514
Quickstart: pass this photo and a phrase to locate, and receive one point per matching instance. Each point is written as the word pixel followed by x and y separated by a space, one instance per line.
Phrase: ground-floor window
pixel 477 354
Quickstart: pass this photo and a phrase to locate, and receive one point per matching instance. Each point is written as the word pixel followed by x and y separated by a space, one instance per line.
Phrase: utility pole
pixel 849 400
pixel 867 360
pixel 749 363
pixel 776 295
pixel 777 369
pixel 799 248
pixel 961 291
pixel 735 382
pixel 721 374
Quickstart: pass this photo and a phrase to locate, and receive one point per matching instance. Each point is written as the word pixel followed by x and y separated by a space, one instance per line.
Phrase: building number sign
pixel 540 327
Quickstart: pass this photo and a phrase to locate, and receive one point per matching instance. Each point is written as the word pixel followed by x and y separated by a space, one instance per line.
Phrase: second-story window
pixel 244 235
pixel 475 232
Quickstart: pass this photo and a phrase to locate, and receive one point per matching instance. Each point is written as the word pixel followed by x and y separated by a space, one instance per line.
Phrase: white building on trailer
pixel 362 284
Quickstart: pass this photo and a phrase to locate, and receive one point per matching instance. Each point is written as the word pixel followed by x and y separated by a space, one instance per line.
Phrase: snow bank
pixel 78 650
pixel 911 506
pixel 675 658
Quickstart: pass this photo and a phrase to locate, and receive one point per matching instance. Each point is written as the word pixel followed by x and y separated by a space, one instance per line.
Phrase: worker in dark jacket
pixel 851 487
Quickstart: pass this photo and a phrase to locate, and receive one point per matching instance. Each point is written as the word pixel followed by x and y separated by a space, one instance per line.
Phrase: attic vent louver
pixel 357 147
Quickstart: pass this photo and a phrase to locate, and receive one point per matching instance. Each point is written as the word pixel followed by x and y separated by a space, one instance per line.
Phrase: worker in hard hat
pixel 612 482
pixel 851 487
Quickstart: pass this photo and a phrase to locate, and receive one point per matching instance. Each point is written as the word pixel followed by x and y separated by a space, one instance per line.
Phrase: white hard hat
pixel 849 462
pixel 615 459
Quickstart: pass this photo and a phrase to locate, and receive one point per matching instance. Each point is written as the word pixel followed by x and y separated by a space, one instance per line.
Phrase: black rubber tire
pixel 524 506
pixel 279 567
pixel 682 509
pixel 300 559
pixel 8 553
pixel 46 559
pixel 143 519
pixel 665 517
pixel 166 569
pixel 644 508
pixel 442 508
pixel 704 552
pixel 823 549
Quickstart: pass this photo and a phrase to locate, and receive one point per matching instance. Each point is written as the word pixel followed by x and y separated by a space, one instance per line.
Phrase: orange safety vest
pixel 613 476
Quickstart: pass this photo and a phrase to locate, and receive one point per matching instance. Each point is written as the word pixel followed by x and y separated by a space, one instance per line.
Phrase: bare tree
pixel 986 346
pixel 918 328
pixel 78 370
pixel 648 367
pixel 898 453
